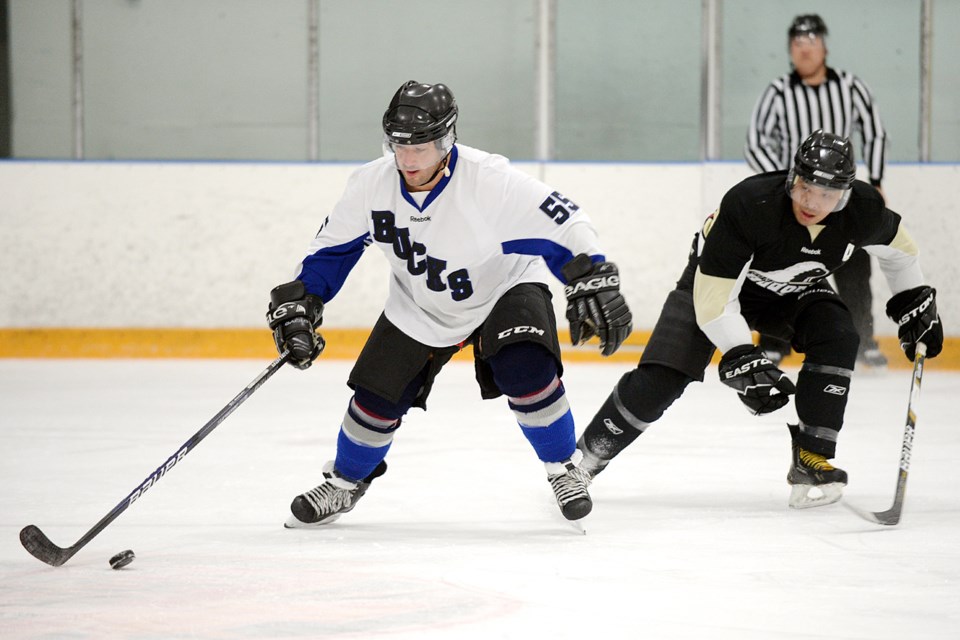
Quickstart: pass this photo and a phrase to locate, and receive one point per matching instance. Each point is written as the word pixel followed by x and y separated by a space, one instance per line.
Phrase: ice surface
pixel 690 536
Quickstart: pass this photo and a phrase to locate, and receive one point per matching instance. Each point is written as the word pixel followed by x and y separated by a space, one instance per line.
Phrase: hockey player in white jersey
pixel 471 242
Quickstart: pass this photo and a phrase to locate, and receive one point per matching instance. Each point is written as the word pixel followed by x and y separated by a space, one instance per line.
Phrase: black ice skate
pixel 871 356
pixel 569 483
pixel 810 470
pixel 336 496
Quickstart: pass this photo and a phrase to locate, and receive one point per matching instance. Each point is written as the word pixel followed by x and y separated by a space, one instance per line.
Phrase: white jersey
pixel 453 251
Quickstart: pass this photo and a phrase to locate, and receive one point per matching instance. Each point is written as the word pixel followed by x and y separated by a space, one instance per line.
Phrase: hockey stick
pixel 892 515
pixel 40 546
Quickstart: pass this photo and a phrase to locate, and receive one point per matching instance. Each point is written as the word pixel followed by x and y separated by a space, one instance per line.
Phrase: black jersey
pixel 754 248
pixel 756 224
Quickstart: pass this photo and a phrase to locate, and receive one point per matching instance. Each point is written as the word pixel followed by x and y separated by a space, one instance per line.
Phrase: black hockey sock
pixel 610 432
pixel 639 399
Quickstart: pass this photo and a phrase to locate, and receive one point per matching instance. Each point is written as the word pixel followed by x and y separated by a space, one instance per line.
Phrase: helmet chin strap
pixel 441 166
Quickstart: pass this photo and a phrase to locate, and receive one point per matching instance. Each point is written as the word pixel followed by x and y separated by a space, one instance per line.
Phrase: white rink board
pixel 199 245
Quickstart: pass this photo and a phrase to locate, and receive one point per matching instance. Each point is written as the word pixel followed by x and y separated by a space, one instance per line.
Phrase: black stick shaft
pixel 43 549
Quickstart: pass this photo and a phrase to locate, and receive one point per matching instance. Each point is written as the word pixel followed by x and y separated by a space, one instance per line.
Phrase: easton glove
pixel 594 304
pixel 761 385
pixel 915 312
pixel 294 316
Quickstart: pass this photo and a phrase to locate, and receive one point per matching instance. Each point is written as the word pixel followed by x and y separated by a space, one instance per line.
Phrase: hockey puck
pixel 122 559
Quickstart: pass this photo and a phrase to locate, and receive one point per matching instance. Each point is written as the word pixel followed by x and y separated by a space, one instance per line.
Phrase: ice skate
pixel 591 465
pixel 569 483
pixel 774 355
pixel 872 357
pixel 327 502
pixel 809 471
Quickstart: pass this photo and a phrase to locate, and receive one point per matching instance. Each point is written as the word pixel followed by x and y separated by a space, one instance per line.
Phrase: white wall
pixel 201 244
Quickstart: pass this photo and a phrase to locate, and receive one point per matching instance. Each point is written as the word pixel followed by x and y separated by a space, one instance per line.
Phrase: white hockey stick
pixel 892 515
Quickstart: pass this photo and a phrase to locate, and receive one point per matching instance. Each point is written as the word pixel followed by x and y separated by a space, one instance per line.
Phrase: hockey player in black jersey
pixel 760 262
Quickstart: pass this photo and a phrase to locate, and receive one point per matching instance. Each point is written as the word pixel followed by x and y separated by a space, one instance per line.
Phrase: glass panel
pixel 185 79
pixel 945 137
pixel 483 51
pixel 628 80
pixel 40 78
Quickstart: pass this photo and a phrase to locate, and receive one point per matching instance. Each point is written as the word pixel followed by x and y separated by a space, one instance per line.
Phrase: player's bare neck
pixel 425 187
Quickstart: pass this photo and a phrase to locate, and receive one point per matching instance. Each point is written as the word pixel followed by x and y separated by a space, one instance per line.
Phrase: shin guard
pixel 821 400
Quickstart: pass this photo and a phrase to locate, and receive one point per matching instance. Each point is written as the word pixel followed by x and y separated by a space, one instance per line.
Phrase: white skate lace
pixel 569 486
pixel 327 499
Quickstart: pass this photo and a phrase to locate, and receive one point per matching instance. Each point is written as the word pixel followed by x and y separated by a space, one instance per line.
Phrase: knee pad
pixel 522 368
pixel 384 408
pixel 827 335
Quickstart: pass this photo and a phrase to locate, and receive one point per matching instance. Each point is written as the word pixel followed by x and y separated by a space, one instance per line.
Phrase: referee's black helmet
pixel 807 24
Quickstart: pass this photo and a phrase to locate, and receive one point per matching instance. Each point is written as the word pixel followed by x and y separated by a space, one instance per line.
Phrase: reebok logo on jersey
pixel 521 329
pixel 813 252
pixel 612 428
pixel 419 218
pixel 835 389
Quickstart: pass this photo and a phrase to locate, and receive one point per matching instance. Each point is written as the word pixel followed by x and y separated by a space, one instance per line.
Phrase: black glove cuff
pixel 578 267
pixel 738 352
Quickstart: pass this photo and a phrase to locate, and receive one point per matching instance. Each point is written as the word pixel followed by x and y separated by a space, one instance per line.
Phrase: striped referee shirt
pixel 789 111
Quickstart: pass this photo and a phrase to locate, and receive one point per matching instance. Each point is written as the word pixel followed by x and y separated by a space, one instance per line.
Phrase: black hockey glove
pixel 915 312
pixel 294 316
pixel 594 304
pixel 761 385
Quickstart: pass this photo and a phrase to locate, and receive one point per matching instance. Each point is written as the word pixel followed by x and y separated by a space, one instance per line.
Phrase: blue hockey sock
pixel 547 422
pixel 363 442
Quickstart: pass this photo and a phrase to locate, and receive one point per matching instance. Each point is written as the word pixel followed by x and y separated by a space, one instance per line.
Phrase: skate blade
pixel 578 526
pixel 800 497
pixel 293 523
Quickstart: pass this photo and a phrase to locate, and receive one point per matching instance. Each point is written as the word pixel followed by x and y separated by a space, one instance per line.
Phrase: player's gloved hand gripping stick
pixel 294 315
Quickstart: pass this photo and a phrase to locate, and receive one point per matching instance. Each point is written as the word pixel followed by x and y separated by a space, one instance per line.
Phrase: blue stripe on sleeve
pixel 554 254
pixel 324 272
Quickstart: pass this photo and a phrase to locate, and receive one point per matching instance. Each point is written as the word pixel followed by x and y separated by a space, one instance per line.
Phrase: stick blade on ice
pixel 40 547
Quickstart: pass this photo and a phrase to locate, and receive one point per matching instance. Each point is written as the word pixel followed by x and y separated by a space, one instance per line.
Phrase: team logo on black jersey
pixel 794 278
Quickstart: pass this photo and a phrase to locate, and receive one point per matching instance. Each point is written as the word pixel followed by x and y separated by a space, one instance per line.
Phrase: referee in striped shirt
pixel 814 96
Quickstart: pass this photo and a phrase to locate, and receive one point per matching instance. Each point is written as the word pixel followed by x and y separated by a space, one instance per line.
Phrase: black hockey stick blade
pixel 889 517
pixel 892 515
pixel 40 546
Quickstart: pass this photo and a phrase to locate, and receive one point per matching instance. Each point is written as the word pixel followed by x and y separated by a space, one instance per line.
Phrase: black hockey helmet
pixel 826 159
pixel 420 113
pixel 807 24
